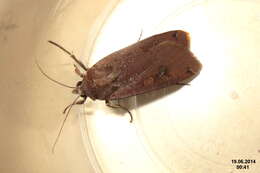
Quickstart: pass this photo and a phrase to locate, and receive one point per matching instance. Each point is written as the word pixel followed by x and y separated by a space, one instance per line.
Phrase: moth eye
pixel 79 83
pixel 175 34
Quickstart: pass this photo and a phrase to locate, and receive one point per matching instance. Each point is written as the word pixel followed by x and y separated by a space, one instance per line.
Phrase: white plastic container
pixel 200 128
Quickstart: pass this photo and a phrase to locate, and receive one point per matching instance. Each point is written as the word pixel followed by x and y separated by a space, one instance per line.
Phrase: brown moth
pixel 153 63
pixel 150 64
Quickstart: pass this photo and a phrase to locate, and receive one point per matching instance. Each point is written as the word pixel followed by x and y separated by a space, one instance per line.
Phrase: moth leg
pixel 78 72
pixel 122 107
pixel 80 102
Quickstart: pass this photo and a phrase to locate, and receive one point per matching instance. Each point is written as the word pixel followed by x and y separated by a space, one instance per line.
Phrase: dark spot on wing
pixel 162 71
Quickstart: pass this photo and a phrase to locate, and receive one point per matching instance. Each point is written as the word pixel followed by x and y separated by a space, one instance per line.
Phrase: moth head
pixel 78 89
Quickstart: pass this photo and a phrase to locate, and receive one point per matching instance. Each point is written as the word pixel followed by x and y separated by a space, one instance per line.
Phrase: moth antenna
pixel 53 80
pixel 77 71
pixel 80 102
pixel 63 123
pixel 67 107
pixel 70 54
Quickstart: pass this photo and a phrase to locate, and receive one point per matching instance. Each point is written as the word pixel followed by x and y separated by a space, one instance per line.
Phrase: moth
pixel 153 63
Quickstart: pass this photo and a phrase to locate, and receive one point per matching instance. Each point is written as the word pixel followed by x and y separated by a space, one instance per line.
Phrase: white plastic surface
pixel 31 105
pixel 202 127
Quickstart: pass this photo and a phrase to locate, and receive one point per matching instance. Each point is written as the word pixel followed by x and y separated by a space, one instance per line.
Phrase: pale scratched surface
pixel 201 127
pixel 31 106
